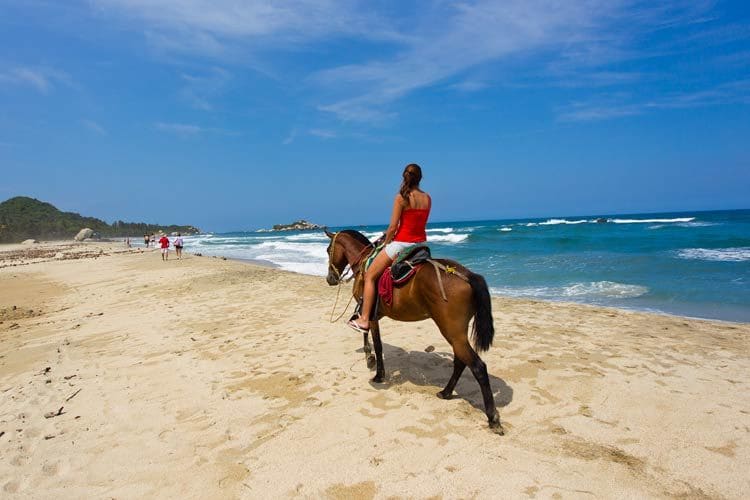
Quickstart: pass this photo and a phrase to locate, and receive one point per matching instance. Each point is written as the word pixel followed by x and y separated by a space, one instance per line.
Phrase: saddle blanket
pixel 401 271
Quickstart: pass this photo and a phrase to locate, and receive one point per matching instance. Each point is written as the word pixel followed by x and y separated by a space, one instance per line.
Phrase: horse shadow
pixel 435 369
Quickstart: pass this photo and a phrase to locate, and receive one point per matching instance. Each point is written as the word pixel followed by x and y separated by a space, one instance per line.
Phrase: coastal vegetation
pixel 22 218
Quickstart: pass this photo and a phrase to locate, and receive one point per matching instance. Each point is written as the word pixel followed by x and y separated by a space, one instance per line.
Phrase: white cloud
pixel 579 43
pixel 467 35
pixel 617 106
pixel 291 137
pixel 189 130
pixel 94 126
pixel 200 89
pixel 470 86
pixel 211 24
pixel 322 133
pixel 42 79
pixel 181 129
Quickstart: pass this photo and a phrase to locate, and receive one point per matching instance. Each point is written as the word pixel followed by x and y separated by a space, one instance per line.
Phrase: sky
pixel 237 115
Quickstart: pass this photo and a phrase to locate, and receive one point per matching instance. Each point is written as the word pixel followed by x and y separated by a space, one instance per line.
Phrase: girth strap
pixel 449 270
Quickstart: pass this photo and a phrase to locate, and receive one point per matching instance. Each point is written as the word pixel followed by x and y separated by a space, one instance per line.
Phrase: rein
pixel 340 275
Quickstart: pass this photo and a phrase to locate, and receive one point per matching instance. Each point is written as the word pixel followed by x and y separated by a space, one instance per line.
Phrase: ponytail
pixel 412 176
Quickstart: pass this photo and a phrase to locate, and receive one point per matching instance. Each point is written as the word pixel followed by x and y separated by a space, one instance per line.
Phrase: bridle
pixel 356 268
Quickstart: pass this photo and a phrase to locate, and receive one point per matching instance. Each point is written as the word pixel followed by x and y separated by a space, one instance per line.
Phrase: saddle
pixel 404 267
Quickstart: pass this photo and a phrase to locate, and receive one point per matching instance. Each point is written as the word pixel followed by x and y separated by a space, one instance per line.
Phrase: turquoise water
pixel 690 263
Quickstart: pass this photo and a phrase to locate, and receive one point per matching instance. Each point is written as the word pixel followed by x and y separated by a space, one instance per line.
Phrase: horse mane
pixel 357 236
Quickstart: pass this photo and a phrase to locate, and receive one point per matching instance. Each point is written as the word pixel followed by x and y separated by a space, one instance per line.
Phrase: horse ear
pixel 328 233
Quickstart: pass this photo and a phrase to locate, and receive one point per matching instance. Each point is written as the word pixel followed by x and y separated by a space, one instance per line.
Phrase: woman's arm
pixel 398 207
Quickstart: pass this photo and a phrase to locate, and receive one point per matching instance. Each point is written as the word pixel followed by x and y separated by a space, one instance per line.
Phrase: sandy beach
pixel 122 376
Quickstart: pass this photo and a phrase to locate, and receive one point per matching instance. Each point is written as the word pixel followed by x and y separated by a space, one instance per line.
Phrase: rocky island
pixel 296 226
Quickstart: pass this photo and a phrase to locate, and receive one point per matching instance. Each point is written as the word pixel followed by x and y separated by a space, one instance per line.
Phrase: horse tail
pixel 483 330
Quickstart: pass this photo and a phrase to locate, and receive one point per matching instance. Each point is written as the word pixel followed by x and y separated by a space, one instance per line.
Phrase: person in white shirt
pixel 178 245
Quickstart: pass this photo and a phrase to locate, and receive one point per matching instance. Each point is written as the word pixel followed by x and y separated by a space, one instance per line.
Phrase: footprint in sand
pixel 51 468
pixel 12 486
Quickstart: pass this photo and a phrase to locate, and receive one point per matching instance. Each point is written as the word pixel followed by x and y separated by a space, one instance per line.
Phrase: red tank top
pixel 412 225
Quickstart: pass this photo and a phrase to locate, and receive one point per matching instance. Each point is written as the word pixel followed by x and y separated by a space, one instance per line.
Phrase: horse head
pixel 336 259
pixel 347 247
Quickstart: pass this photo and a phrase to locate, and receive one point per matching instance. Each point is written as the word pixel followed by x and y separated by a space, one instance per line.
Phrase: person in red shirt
pixel 164 242
pixel 411 208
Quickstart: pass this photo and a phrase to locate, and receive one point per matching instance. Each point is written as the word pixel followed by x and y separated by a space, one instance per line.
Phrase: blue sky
pixel 237 115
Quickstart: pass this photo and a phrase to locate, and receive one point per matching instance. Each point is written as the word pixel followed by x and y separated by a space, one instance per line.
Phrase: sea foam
pixel 738 254
pixel 447 238
pixel 585 290
pixel 652 221
pixel 554 222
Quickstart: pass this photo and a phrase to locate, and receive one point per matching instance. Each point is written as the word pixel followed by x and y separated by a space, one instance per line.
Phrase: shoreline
pixel 119 247
pixel 644 310
pixel 211 378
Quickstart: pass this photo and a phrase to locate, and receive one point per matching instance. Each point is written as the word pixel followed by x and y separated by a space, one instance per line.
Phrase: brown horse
pixel 420 299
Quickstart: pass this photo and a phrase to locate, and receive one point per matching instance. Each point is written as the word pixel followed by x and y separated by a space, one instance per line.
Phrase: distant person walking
pixel 178 245
pixel 164 242
pixel 146 240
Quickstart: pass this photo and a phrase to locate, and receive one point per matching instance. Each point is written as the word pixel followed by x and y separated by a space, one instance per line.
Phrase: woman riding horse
pixel 411 208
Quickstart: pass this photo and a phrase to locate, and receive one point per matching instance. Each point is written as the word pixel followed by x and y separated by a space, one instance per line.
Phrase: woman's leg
pixel 371 276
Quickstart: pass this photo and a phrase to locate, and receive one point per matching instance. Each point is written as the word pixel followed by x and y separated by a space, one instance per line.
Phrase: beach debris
pixel 2 433
pixel 191 338
pixel 429 348
pixel 198 254
pixel 68 377
pixel 49 436
pixel 45 371
pixel 52 414
pixel 73 395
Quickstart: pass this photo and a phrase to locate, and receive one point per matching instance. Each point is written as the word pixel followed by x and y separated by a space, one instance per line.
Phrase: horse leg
pixel 369 356
pixel 380 370
pixel 366 346
pixel 479 369
pixel 458 369
pixel 365 340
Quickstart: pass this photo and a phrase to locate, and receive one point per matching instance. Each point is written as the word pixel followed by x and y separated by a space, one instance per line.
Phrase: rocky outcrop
pixel 296 226
pixel 83 234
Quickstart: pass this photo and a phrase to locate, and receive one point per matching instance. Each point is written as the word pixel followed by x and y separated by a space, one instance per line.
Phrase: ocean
pixel 691 263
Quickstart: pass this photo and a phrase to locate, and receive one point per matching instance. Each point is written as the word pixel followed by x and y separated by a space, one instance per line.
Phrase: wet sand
pixel 124 376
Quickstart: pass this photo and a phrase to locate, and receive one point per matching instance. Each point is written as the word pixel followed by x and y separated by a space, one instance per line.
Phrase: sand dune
pixel 123 376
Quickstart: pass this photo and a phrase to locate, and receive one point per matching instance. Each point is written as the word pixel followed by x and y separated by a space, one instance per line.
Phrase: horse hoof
pixel 443 395
pixel 378 379
pixel 371 362
pixel 496 426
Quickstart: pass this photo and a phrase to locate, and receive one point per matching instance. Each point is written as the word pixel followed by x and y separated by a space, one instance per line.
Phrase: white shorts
pixel 394 247
pixel 165 250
